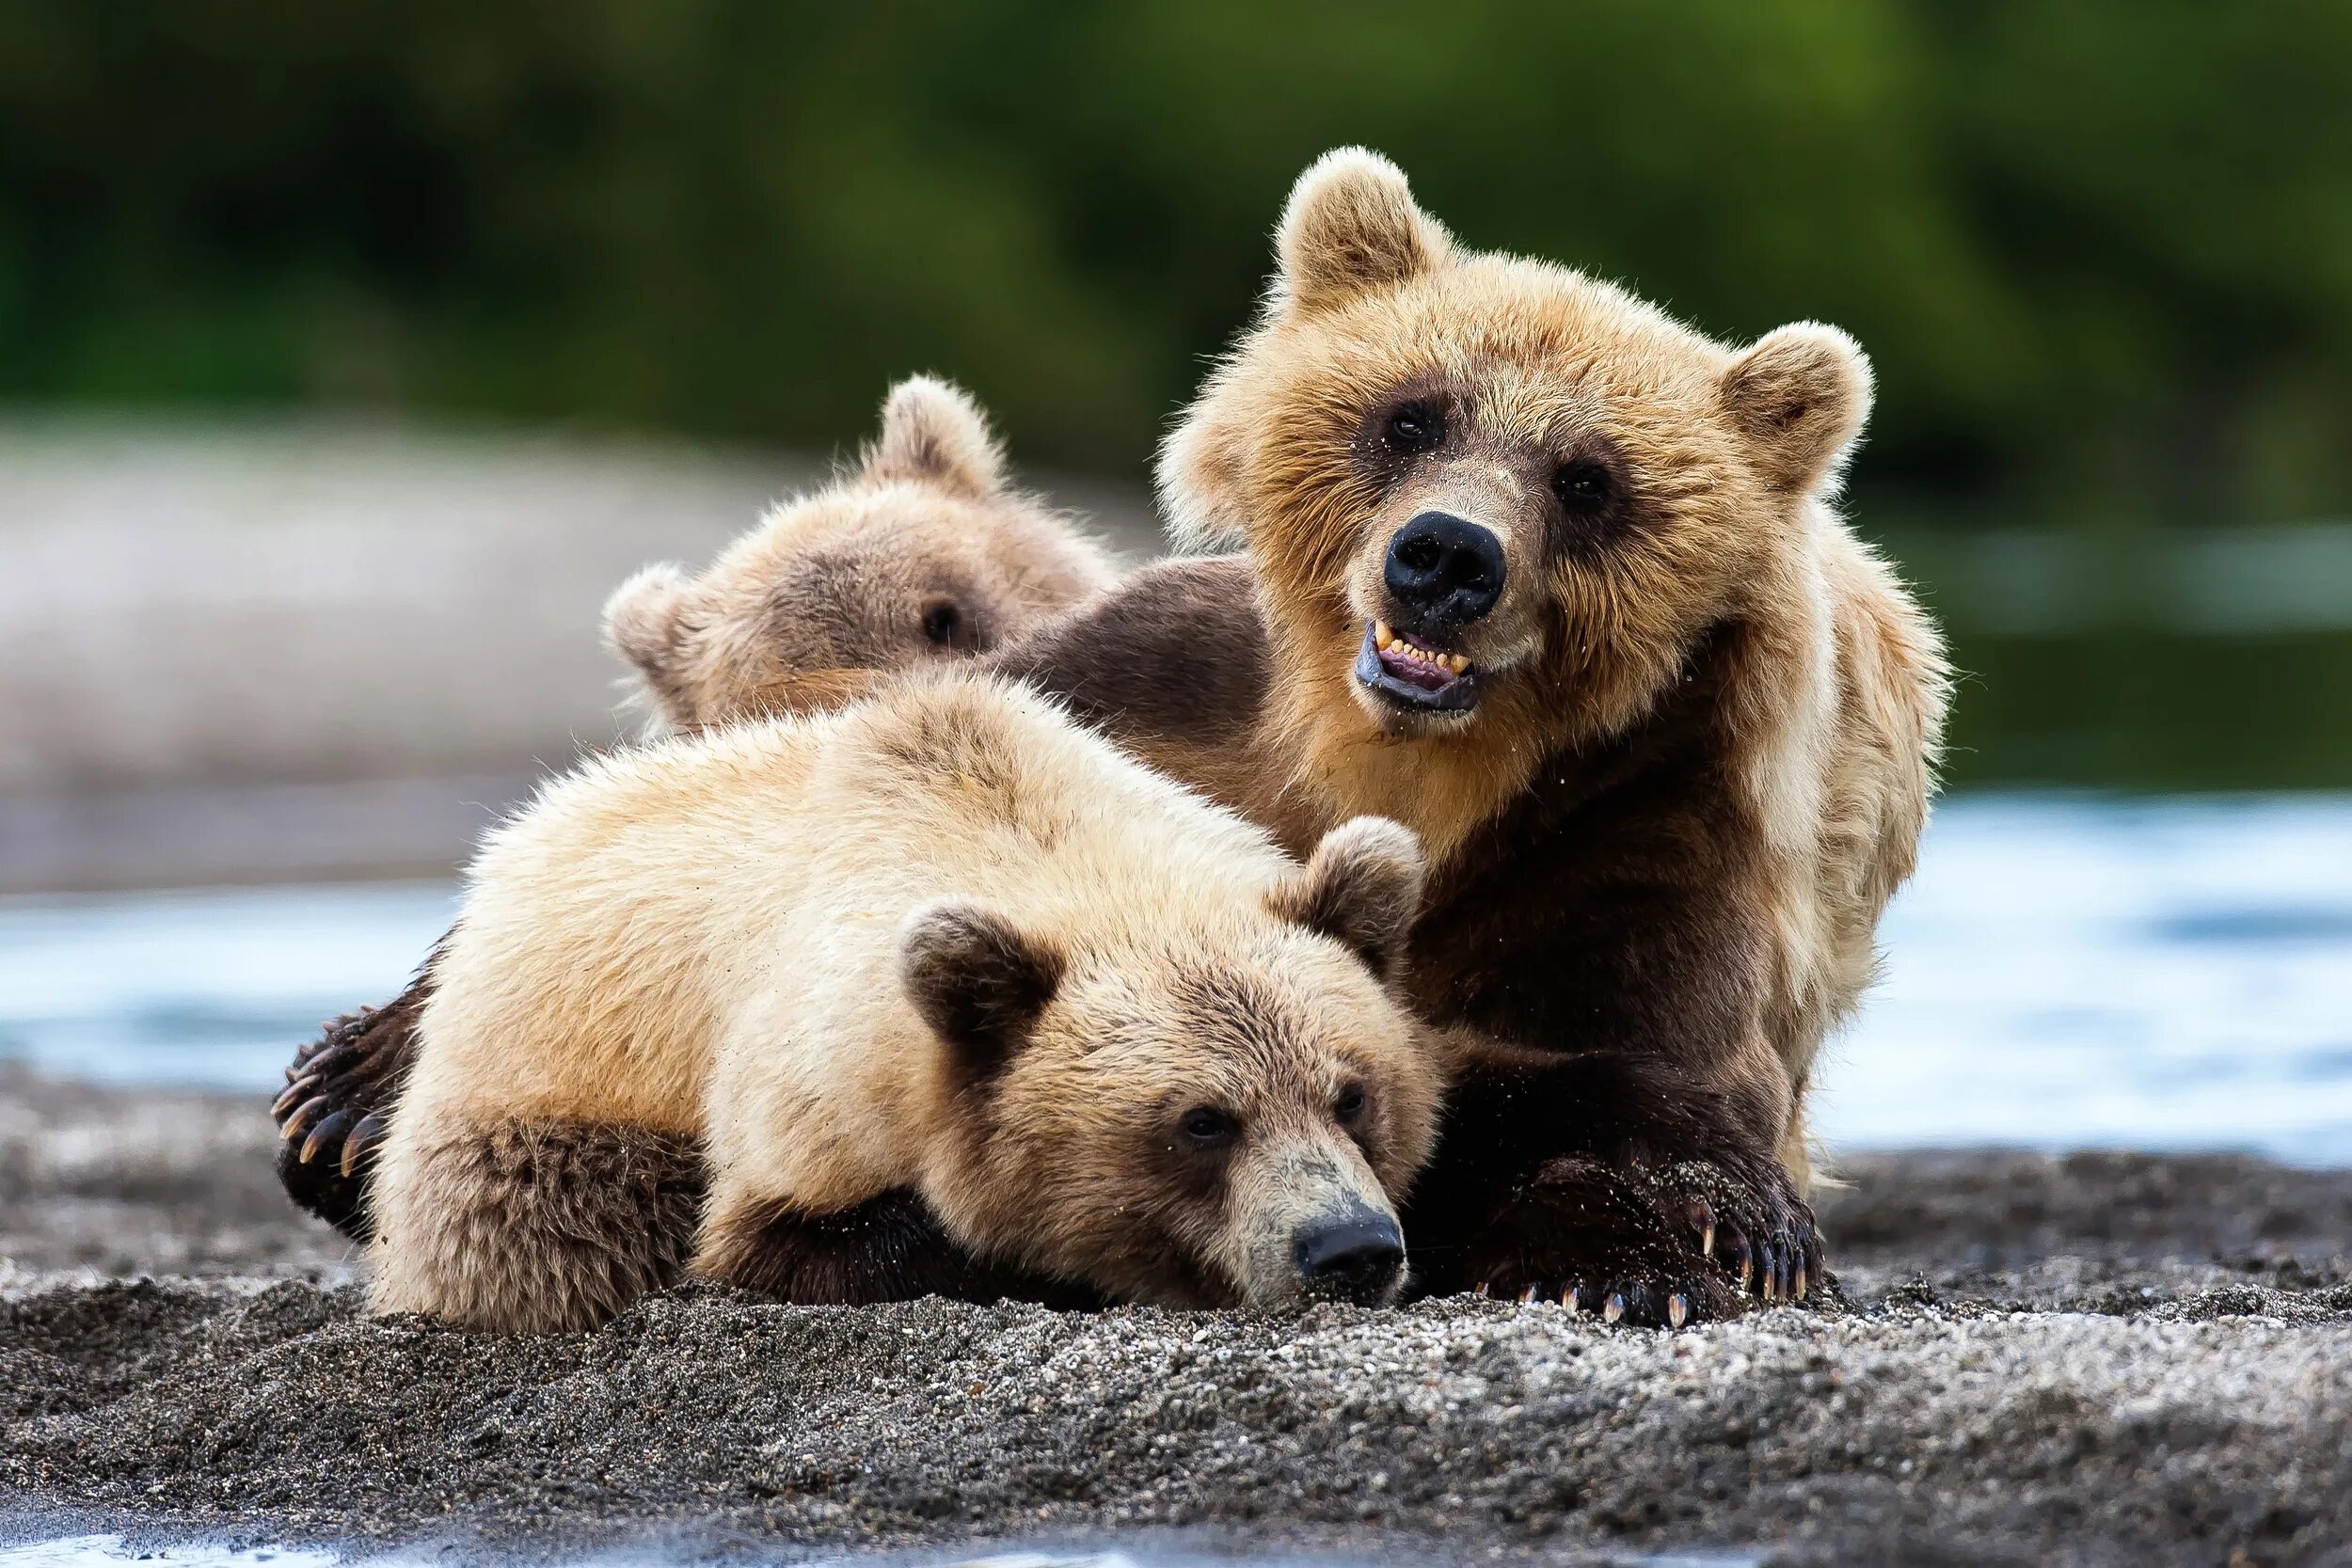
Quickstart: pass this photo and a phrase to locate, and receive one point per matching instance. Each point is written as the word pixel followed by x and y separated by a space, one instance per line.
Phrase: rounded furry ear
pixel 1199 479
pixel 644 620
pixel 1351 224
pixel 933 432
pixel 979 981
pixel 1363 888
pixel 1801 394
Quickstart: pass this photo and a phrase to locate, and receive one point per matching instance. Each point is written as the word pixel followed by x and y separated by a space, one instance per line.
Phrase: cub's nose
pixel 1444 571
pixel 1357 1256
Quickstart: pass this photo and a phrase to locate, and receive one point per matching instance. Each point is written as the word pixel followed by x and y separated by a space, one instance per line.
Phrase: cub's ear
pixel 1351 224
pixel 1801 394
pixel 644 620
pixel 978 980
pixel 933 432
pixel 1361 887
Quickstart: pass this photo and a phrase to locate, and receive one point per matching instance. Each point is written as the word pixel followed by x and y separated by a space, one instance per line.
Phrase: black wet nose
pixel 1444 571
pixel 1357 1258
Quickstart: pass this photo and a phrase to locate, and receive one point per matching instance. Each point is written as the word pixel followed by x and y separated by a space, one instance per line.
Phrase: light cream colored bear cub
pixel 946 994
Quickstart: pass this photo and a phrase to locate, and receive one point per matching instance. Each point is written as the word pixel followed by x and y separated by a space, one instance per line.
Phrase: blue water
pixel 2063 972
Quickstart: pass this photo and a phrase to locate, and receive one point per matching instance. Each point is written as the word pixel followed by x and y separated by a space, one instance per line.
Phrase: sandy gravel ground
pixel 2110 1359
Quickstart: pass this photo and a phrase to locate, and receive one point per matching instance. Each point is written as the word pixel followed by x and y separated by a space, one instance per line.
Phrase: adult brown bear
pixel 1554 581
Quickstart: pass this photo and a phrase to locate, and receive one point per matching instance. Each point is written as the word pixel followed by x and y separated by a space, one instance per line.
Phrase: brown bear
pixel 1558 582
pixel 944 950
pixel 923 552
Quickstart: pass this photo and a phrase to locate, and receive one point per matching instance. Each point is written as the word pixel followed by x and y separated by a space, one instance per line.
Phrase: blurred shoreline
pixel 320 652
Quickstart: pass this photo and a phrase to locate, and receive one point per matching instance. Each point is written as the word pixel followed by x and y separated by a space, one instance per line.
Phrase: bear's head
pixel 1218 1110
pixel 923 552
pixel 1492 496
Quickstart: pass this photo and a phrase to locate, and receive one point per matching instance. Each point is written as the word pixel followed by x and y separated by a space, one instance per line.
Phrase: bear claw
pixel 329 1127
pixel 360 1139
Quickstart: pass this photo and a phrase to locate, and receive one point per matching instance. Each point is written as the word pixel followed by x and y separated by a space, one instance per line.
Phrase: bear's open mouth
pixel 1409 672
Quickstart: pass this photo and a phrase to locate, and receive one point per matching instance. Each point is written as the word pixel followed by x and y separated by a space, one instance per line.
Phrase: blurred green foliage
pixel 2101 249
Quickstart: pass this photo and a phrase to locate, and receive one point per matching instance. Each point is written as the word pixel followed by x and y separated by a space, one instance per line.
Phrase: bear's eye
pixel 1415 427
pixel 1209 1127
pixel 1581 486
pixel 1349 1106
pixel 941 619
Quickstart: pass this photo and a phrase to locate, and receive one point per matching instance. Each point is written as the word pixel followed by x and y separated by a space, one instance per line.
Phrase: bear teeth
pixel 1385 638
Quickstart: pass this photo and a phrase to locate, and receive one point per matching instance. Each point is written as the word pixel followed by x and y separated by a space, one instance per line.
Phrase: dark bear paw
pixel 1656 1249
pixel 1759 1231
pixel 339 1092
pixel 1597 1241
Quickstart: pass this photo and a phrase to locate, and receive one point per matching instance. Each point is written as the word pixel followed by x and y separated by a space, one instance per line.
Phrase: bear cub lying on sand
pixel 937 993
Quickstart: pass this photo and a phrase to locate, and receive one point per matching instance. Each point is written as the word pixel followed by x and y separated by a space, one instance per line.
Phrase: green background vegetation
pixel 2100 249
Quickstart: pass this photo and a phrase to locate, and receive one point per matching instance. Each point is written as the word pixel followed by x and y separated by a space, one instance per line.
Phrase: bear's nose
pixel 1356 1257
pixel 1444 572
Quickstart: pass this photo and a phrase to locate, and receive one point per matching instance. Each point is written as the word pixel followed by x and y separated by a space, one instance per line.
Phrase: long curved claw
pixel 362 1138
pixel 296 1092
pixel 324 1133
pixel 304 1114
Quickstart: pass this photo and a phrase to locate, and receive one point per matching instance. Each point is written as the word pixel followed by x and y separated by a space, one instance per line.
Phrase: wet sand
pixel 2105 1358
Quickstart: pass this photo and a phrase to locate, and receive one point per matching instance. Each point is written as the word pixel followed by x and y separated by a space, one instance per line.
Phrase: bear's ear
pixel 1198 478
pixel 1363 888
pixel 1351 225
pixel 979 981
pixel 1799 394
pixel 644 620
pixel 933 432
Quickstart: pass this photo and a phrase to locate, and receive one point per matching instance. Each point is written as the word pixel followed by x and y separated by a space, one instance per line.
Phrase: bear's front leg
pixel 887 1249
pixel 1608 1184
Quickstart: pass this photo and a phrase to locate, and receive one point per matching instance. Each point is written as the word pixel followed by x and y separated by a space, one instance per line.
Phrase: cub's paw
pixel 1759 1232
pixel 1601 1241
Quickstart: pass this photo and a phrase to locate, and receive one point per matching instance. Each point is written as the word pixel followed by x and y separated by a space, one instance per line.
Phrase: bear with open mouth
pixel 1558 582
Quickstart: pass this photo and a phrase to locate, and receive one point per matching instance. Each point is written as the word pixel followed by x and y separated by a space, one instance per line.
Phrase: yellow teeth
pixel 1386 639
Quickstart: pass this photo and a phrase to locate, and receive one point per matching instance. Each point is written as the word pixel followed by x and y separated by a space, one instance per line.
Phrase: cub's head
pixel 924 552
pixel 1482 489
pixel 1221 1114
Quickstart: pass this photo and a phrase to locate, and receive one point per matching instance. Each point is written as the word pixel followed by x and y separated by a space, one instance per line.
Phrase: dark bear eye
pixel 1415 427
pixel 1209 1127
pixel 1349 1106
pixel 940 621
pixel 1580 485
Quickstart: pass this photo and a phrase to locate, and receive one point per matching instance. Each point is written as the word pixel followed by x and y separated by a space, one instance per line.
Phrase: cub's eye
pixel 1581 486
pixel 941 619
pixel 1415 427
pixel 1209 1127
pixel 1349 1106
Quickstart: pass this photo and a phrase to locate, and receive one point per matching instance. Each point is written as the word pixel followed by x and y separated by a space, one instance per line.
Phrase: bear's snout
pixel 1444 571
pixel 1357 1255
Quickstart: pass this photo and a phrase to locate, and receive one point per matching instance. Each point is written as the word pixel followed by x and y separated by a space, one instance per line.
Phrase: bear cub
pixel 939 992
pixel 922 553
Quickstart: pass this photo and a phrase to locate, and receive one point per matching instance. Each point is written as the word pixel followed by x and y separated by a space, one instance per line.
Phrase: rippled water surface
pixel 2064 970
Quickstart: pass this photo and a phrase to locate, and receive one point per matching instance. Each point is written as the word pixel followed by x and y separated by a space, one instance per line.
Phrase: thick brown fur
pixel 608 1210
